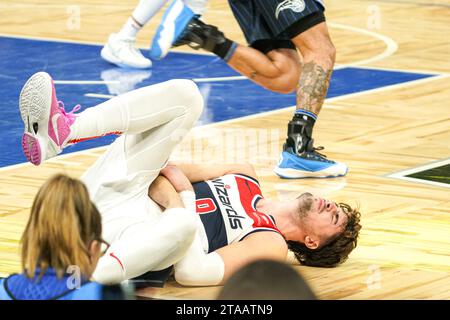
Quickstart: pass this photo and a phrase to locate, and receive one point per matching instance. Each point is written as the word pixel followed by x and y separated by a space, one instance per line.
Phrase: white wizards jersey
pixel 227 208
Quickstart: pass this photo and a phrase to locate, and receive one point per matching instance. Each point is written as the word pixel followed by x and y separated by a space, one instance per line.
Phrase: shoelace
pixel 69 116
pixel 315 150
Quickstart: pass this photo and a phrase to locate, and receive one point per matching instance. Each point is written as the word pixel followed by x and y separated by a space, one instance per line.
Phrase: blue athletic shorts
pixel 271 24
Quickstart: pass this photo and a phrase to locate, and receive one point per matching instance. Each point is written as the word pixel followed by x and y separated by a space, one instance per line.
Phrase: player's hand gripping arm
pixel 196 268
pixel 163 193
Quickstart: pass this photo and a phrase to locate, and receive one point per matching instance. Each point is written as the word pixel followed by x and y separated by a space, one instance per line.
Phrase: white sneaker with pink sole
pixel 47 125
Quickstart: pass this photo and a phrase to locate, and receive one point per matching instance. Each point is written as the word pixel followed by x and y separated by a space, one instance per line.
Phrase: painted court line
pixel 391 45
pixel 86 152
pixel 402 175
pixel 83 82
pixel 253 116
pixel 338 98
pixel 409 179
pixel 90 43
pixel 428 72
pixel 98 95
pixel 428 166
pixel 234 78
pixel 219 79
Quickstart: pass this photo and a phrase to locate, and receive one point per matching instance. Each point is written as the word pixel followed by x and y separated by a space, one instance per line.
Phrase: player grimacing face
pixel 320 217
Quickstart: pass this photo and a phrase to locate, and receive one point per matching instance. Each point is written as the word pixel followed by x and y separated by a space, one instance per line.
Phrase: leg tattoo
pixel 313 86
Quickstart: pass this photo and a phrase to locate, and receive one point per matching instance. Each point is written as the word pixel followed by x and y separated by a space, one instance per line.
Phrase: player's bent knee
pixel 204 271
pixel 331 51
pixel 185 224
pixel 183 233
pixel 188 93
pixel 188 227
pixel 324 50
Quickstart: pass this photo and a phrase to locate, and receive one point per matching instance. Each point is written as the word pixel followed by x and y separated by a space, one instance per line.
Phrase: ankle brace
pixel 300 131
pixel 210 38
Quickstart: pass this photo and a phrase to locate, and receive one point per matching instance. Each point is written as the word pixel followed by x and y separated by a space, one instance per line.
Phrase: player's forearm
pixel 163 193
pixel 203 172
pixel 198 172
pixel 177 178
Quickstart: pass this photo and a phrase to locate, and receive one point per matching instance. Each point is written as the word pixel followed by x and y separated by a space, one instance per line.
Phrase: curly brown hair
pixel 337 249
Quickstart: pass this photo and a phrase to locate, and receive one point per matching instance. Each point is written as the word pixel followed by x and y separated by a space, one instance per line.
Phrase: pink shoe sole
pixel 31 148
pixel 34 105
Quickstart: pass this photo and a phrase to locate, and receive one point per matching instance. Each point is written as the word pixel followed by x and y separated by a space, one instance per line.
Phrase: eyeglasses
pixel 104 246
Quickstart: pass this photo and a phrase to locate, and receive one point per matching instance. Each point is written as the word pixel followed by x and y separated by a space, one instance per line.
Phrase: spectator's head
pixel 64 229
pixel 266 280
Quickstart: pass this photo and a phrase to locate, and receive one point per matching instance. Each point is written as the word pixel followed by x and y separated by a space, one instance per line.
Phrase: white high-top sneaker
pixel 122 52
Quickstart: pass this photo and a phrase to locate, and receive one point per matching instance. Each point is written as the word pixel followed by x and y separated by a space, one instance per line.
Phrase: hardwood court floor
pixel 404 247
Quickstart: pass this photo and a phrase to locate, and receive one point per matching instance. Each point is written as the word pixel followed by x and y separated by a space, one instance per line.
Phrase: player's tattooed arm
pixel 313 86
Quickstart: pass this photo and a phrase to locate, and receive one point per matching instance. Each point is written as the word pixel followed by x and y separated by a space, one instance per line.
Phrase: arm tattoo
pixel 313 86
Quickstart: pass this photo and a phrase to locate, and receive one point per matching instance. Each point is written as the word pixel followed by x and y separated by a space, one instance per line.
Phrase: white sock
pixel 130 29
pixel 143 12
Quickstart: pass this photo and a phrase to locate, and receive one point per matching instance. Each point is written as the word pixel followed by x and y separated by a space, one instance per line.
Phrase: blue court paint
pixel 20 58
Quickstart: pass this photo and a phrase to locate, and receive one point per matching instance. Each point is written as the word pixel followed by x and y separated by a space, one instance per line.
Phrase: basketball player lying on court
pixel 242 226
pixel 238 225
